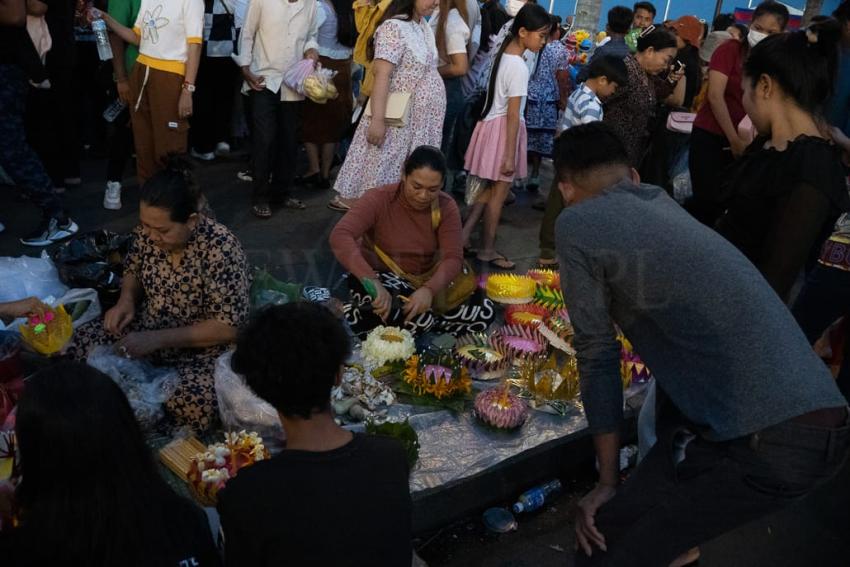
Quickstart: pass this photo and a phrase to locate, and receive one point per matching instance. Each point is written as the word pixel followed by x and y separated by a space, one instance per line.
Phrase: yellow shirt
pixel 166 28
pixel 366 18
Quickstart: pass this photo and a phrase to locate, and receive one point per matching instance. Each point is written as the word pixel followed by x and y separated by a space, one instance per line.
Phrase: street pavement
pixel 292 245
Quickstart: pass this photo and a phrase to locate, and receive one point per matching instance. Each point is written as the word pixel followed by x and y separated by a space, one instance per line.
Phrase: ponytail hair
pixel 532 17
pixel 173 189
pixel 803 63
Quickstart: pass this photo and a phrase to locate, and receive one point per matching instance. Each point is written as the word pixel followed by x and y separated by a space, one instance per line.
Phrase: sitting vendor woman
pixel 183 296
pixel 401 244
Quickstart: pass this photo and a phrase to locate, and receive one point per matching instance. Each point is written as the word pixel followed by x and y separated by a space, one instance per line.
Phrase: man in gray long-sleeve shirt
pixel 764 418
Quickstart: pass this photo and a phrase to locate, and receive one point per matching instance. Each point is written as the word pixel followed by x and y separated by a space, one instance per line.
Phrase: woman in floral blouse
pixel 183 297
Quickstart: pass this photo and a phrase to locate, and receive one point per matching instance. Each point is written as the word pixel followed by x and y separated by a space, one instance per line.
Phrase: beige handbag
pixel 397 112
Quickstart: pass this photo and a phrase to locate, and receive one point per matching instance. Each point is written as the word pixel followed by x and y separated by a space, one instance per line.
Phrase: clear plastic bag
pixel 295 75
pixel 240 408
pixel 146 386
pixel 29 277
pixel 319 86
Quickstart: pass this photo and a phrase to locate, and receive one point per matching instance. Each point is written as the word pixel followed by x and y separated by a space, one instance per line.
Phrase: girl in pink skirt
pixel 497 151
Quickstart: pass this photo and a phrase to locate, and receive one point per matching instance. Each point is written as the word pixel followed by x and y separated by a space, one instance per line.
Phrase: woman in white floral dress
pixel 405 60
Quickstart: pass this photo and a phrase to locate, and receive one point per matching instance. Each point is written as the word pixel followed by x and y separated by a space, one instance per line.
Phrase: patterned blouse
pixel 211 281
pixel 631 108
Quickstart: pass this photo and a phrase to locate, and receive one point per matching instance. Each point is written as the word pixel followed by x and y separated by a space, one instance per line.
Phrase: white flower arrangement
pixel 388 344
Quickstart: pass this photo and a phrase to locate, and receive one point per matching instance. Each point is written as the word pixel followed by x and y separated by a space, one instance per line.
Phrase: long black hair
pixel 90 493
pixel 346 30
pixel 804 63
pixel 532 17
pixel 493 18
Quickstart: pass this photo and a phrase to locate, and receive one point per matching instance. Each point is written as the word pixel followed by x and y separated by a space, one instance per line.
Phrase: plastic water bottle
pixel 534 499
pixel 113 110
pixel 104 48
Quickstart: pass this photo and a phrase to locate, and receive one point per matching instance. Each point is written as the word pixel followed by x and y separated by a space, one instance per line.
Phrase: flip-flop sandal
pixel 339 206
pixel 262 211
pixel 293 203
pixel 499 263
pixel 544 266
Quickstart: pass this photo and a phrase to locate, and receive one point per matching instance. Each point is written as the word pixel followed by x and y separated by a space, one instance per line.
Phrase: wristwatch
pixel 189 87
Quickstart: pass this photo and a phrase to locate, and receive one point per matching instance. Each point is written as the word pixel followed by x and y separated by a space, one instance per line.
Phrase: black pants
pixel 213 110
pixel 274 127
pixel 119 147
pixel 824 298
pixel 709 159
pixel 665 509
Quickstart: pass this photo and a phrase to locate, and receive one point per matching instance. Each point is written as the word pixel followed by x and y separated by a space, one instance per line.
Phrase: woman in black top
pixel 90 493
pixel 788 189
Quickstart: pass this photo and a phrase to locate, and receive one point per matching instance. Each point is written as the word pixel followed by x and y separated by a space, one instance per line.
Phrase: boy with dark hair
pixel 606 75
pixel 755 415
pixel 331 497
pixel 619 22
pixel 644 15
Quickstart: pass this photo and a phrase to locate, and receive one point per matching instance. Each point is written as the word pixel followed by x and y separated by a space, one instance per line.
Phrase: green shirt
pixel 125 13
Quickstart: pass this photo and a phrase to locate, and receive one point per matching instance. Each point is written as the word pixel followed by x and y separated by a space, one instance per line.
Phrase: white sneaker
pixel 208 156
pixel 222 149
pixel 112 196
pixel 51 230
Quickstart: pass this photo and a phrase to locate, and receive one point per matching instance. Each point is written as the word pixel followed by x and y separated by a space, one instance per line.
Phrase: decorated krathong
pixel 530 315
pixel 522 342
pixel 437 374
pixel 556 379
pixel 546 278
pixel 210 470
pixel 551 298
pixel 388 344
pixel 500 408
pixel 632 368
pixel 558 331
pixel 483 355
pixel 510 288
pixel 360 396
pixel 48 333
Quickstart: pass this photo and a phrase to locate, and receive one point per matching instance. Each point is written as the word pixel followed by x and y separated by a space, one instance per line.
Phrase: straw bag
pixel 398 110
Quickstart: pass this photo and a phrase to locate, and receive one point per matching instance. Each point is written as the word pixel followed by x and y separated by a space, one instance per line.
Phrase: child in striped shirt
pixel 605 74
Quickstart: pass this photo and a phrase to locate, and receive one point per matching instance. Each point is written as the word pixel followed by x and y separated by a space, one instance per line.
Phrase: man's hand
pixel 587 536
pixel 123 88
pixel 23 308
pixel 418 303
pixel 117 318
pixel 138 344
pixel 256 82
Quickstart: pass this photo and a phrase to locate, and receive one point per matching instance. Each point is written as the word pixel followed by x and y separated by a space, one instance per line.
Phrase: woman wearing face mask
pixel 715 142
pixel 183 296
pixel 631 108
pixel 789 187
pixel 404 241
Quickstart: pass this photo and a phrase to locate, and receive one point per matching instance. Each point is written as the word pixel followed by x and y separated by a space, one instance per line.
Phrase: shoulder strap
pixel 436 214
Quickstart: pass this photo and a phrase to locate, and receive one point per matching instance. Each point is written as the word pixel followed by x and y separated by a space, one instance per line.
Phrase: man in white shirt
pixel 276 35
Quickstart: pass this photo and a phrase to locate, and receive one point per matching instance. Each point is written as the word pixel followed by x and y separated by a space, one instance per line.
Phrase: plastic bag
pixel 29 277
pixel 319 86
pixel 295 75
pixel 475 186
pixel 241 408
pixel 146 386
pixel 94 260
pixel 266 289
pixel 48 333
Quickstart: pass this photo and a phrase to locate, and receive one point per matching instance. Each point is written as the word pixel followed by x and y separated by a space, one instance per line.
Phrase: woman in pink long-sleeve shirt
pixel 418 227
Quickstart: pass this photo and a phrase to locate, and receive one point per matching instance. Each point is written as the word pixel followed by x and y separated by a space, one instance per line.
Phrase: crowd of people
pixel 699 202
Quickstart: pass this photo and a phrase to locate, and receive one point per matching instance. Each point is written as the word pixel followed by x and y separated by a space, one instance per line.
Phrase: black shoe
pixel 51 230
pixel 310 180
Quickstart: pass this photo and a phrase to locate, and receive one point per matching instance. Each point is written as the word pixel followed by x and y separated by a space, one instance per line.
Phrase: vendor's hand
pixel 508 166
pixel 117 318
pixel 23 308
pixel 311 54
pixel 123 88
pixel 419 302
pixel 138 344
pixel 184 105
pixel 738 146
pixel 676 73
pixel 382 302
pixel 256 82
pixel 377 132
pixel 587 536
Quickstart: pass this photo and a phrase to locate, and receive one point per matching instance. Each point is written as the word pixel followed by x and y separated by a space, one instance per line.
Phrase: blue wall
pixel 703 9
